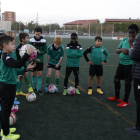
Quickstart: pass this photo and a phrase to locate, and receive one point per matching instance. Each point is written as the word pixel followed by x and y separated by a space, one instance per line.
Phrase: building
pixel 80 23
pixel 5 25
pixel 9 16
pixel 121 20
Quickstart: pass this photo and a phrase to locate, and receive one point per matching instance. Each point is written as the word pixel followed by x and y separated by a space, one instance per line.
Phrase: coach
pixel 134 54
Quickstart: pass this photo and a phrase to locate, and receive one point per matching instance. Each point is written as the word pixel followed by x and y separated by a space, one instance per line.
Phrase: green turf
pixel 79 117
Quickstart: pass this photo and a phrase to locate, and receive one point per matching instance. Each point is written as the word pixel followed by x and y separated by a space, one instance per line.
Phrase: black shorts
pixel 74 69
pixel 96 70
pixel 124 72
pixel 39 67
pixel 53 66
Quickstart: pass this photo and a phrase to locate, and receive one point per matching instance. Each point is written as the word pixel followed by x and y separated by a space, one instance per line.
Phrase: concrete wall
pixel 5 25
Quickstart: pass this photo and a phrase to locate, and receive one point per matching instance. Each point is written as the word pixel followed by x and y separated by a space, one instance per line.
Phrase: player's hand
pixel 31 66
pixel 125 51
pixel 103 63
pixel 90 62
pixel 47 65
pixel 30 50
pixel 37 60
pixel 131 40
pixel 38 50
pixel 57 65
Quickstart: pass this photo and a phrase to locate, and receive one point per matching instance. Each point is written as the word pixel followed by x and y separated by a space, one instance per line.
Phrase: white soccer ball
pixel 23 50
pixel 52 88
pixel 71 91
pixel 31 97
pixel 12 118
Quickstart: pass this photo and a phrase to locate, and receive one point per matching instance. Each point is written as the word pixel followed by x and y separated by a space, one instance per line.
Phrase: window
pixel 10 15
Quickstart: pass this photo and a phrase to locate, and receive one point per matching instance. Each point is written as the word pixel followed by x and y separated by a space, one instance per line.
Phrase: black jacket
pixel 135 56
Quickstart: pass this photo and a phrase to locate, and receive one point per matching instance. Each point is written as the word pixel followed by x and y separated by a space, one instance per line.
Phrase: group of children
pixel 13 68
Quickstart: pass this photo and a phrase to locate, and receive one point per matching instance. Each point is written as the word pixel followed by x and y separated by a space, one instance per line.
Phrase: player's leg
pixel 128 79
pixel 99 74
pixel 136 129
pixel 28 83
pixel 33 78
pixel 76 74
pixel 7 95
pixel 48 77
pixel 19 89
pixel 92 71
pixel 68 72
pixel 57 78
pixel 117 84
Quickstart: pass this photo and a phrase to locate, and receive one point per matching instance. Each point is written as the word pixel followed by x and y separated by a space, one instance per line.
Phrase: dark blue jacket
pixel 135 56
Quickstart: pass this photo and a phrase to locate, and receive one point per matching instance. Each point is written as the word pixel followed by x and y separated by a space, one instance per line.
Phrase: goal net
pixel 64 33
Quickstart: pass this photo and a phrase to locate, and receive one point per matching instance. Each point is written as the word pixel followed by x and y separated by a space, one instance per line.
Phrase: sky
pixel 63 11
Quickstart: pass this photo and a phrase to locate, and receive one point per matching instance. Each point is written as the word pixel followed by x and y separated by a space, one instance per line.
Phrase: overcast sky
pixel 62 11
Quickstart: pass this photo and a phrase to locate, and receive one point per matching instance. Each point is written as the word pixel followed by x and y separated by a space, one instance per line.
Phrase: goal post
pixel 64 33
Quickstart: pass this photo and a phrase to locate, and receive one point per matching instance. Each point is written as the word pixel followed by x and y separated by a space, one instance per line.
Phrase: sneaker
pixel 89 91
pixel 77 92
pixel 114 99
pixel 11 137
pixel 123 104
pixel 16 102
pixel 35 90
pixel 40 93
pixel 12 130
pixel 30 90
pixel 65 92
pixel 99 91
pixel 46 90
pixel 57 91
pixel 21 93
pixel 132 131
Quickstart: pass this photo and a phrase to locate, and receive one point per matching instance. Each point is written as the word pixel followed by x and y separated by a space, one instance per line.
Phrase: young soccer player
pixel 41 46
pixel 124 70
pixel 96 63
pixel 24 39
pixel 8 80
pixel 74 52
pixel 54 58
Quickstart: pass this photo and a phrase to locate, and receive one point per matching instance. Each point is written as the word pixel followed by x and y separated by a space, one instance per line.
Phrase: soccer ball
pixel 52 88
pixel 71 91
pixel 14 108
pixel 23 50
pixel 31 97
pixel 12 118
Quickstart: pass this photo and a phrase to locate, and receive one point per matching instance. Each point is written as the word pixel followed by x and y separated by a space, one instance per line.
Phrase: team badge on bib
pixel 78 47
pixel 102 50
pixel 59 50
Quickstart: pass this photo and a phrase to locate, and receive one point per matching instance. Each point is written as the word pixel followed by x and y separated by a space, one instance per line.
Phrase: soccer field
pixel 79 117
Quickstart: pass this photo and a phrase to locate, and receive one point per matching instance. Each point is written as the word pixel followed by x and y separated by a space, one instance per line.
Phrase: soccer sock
pixel 98 87
pixel 89 87
pixel 76 82
pixel 27 81
pixel 65 83
pixel 57 82
pixel 117 89
pixel 47 81
pixel 39 83
pixel 33 81
pixel 19 87
pixel 127 92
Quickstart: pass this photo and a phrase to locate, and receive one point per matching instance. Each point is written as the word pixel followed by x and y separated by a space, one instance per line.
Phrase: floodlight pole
pixel 19 25
pixel 89 29
pixel 77 26
pixel 101 30
pixel 113 30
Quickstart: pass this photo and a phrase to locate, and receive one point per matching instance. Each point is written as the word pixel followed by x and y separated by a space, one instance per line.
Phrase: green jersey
pixel 125 59
pixel 55 54
pixel 74 52
pixel 9 68
pixel 96 55
pixel 41 45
